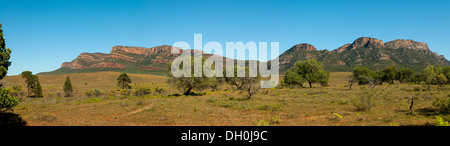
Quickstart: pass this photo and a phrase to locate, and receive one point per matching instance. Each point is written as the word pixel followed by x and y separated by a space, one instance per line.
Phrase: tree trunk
pixel 310 84
pixel 411 106
pixel 188 91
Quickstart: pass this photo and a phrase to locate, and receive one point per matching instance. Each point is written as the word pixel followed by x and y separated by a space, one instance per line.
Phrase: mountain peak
pixel 407 44
pixel 366 42
pixel 302 47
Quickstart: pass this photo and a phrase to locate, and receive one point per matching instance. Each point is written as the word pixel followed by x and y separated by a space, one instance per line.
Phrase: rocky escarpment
pixel 364 51
pixel 407 44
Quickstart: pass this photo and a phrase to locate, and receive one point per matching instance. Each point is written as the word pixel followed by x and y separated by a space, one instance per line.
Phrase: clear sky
pixel 43 34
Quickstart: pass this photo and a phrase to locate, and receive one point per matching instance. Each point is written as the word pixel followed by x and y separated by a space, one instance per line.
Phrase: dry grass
pixel 303 106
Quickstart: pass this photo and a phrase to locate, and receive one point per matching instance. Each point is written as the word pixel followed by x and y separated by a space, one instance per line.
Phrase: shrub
pixel 93 92
pixel 441 122
pixel 16 91
pixel 364 102
pixel 275 120
pixel 124 92
pixel 142 91
pixel 7 102
pixel 442 104
pixel 159 90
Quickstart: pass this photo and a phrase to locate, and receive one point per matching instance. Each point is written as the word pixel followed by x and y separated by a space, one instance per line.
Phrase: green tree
pixel 446 71
pixel 68 89
pixel 123 81
pixel 189 83
pixel 37 90
pixel 246 83
pixel 441 79
pixel 389 74
pixel 28 79
pixel 33 84
pixel 311 71
pixel 292 78
pixel 406 75
pixel 6 101
pixel 4 55
pixel 363 75
pixel 429 74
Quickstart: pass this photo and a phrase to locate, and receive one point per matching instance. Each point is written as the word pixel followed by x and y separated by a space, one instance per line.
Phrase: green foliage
pixel 68 89
pixel 364 76
pixel 275 120
pixel 159 90
pixel 389 74
pixel 442 104
pixel 37 90
pixel 405 75
pixel 429 74
pixel 4 56
pixel 337 115
pixel 6 101
pixel 123 81
pixel 310 71
pixel 94 92
pixel 33 84
pixel 441 122
pixel 189 83
pixel 293 79
pixel 142 91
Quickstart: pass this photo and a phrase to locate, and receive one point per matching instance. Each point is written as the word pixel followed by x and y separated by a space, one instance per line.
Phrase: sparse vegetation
pixel 93 93
pixel 283 106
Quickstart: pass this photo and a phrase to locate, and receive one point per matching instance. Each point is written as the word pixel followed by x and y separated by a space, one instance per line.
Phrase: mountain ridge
pixel 364 51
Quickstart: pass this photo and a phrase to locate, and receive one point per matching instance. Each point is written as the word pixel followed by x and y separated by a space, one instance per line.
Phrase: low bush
pixel 364 102
pixel 142 91
pixel 442 104
pixel 93 93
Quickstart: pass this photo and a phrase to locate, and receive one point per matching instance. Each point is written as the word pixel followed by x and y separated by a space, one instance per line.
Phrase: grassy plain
pixel 317 106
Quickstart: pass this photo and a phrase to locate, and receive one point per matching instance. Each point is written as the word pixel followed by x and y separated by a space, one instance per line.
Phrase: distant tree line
pixel 431 75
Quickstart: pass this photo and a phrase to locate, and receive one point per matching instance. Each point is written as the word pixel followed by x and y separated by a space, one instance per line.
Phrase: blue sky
pixel 43 34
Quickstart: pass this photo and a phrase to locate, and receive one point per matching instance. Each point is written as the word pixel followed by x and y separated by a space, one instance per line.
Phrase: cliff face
pixel 123 57
pixel 126 58
pixel 364 51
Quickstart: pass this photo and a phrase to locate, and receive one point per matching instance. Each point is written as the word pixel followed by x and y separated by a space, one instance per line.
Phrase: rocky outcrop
pixel 407 44
pixel 365 42
pixel 302 47
pixel 156 58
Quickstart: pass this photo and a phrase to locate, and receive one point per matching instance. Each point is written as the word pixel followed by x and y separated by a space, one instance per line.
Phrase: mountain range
pixel 365 51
